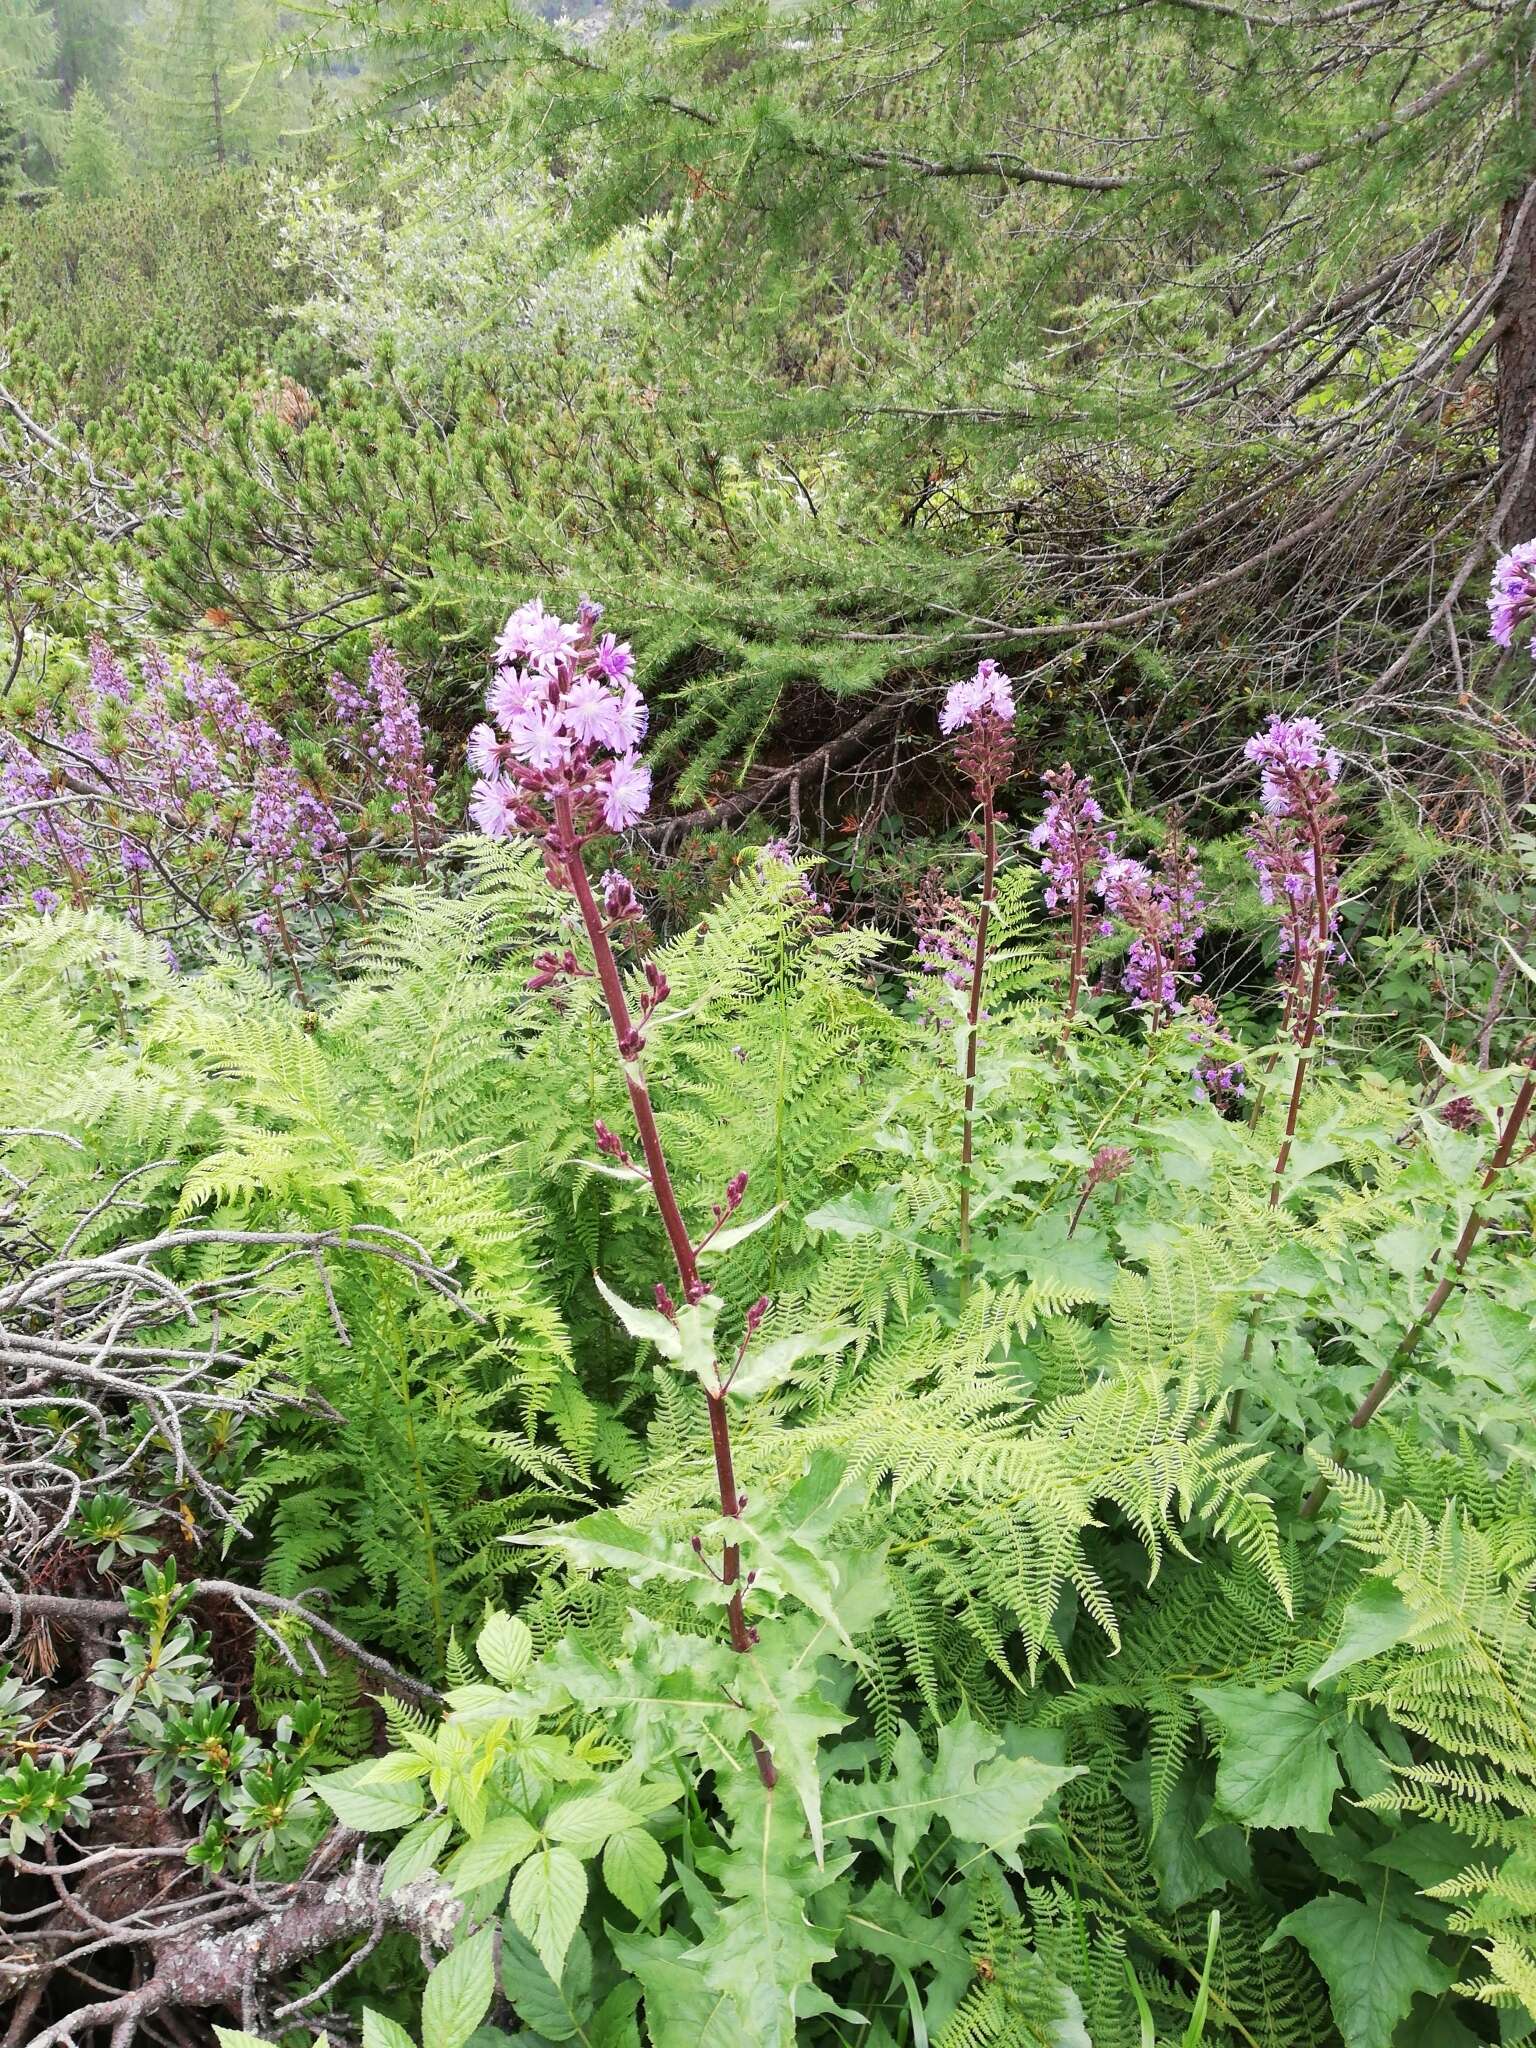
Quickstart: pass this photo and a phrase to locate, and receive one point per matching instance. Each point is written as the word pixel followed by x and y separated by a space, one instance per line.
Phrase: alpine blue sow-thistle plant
pixel 559 764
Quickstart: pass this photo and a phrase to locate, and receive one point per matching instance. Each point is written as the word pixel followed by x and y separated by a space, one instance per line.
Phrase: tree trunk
pixel 218 122
pixel 1517 357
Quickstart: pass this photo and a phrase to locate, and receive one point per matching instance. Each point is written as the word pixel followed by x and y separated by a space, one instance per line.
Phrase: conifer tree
pixel 90 157
pixel 27 91
pixel 204 82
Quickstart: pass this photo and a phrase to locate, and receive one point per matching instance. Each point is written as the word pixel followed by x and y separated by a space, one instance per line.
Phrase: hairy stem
pixel 683 1253
pixel 1314 1009
pixel 973 1034
pixel 1445 1286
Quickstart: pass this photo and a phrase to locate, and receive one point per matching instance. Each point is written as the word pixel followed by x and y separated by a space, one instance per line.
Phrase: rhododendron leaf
pixel 648 1324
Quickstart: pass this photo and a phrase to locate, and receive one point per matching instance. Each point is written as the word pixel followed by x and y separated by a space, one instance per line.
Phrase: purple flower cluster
pixel 1162 912
pixel 946 938
pixel 566 720
pixel 1296 765
pixel 1293 846
pixel 1223 1087
pixel 174 800
pixel 1071 838
pixel 980 709
pixel 987 695
pixel 1512 597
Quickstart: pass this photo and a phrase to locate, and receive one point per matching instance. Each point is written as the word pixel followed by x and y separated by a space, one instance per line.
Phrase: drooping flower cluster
pixel 1293 846
pixel 1162 912
pixel 558 759
pixel 981 710
pixel 1512 597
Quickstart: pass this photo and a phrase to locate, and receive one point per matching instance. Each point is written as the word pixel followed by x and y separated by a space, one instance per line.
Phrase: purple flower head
pixel 626 793
pixel 1070 837
pixel 107 678
pixel 1223 1087
pixel 45 901
pixel 557 760
pixel 1461 1113
pixel 1293 847
pixel 986 695
pixel 397 748
pixel 1109 1163
pixel 1296 764
pixel 1162 911
pixel 1512 597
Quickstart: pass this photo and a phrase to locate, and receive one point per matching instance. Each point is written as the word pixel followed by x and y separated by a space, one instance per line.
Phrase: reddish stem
pixel 973 1033
pixel 1445 1286
pixel 683 1253
pixel 1314 1007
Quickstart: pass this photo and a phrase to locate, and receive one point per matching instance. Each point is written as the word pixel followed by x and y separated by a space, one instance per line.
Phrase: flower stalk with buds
pixel 558 764
pixel 981 712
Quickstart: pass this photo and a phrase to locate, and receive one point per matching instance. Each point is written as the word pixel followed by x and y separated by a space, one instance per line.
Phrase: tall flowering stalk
pixel 1511 602
pixel 558 763
pixel 1074 847
pixel 980 713
pixel 1294 848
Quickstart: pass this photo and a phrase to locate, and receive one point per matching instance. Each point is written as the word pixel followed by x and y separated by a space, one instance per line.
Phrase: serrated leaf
pixel 231 2037
pixel 380 2031
pixel 500 1846
pixel 367 1806
pixel 413 1853
pixel 606 1542
pixel 862 1213
pixel 555 2012
pixel 1376 1619
pixel 634 1864
pixel 546 1902
pixel 505 1647
pixel 459 1992
pixel 1277 1767
pixel 585 1822
pixel 1373 1962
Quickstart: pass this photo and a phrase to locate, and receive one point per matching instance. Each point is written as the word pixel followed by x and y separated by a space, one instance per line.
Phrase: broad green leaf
pixel 498 1848
pixel 1372 1960
pixel 682 2008
pixel 584 1823
pixel 359 1803
pixel 1376 1619
pixel 1277 1767
pixel 634 1863
pixel 231 2037
pixel 766 1365
pixel 414 1853
pixel 862 1213
pixel 459 1992
pixel 546 1902
pixel 555 2012
pixel 505 1647
pixel 648 1324
pixel 605 1542
pixel 738 1233
pixel 380 2031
